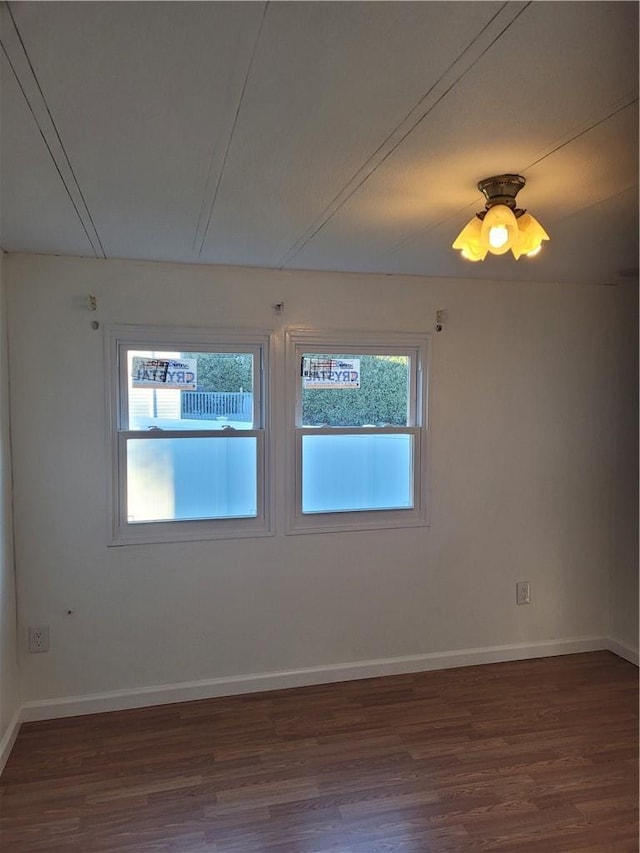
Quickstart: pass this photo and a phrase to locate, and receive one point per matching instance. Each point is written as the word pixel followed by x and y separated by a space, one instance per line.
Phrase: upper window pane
pixel 354 390
pixel 189 390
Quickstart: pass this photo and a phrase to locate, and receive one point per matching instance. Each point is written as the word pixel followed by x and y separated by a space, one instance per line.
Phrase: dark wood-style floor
pixel 537 755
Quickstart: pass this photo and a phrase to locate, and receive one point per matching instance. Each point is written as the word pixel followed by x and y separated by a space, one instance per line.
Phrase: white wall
pixel 9 701
pixel 522 413
pixel 624 571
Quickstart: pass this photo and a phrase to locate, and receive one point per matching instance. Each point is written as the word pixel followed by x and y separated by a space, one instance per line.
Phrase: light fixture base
pixel 501 189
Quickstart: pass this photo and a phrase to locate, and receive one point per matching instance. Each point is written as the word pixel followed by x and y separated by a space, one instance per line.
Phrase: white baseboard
pixel 7 742
pixel 141 697
pixel 623 650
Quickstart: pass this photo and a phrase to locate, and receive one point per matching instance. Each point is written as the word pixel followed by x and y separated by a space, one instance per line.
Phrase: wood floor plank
pixel 533 756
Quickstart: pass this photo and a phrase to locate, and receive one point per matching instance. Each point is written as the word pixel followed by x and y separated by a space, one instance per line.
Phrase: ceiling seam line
pixel 51 154
pixel 64 151
pixel 581 133
pixel 295 249
pixel 232 132
pixel 596 203
pixel 407 241
pixel 292 251
pixel 400 141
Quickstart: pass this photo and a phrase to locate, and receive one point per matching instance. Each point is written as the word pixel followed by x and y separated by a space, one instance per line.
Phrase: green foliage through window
pixel 382 398
pixel 223 371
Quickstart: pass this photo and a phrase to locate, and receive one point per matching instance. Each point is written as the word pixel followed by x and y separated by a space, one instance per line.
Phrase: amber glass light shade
pixel 502 227
pixel 499 230
pixel 469 243
pixel 531 235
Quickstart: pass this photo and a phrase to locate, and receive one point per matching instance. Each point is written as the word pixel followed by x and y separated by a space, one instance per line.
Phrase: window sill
pixel 167 532
pixel 344 522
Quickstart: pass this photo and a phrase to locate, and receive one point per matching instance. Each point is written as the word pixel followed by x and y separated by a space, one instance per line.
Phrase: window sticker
pixel 180 374
pixel 323 373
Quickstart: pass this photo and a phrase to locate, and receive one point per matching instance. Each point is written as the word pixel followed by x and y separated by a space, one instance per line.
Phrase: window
pixel 189 435
pixel 357 417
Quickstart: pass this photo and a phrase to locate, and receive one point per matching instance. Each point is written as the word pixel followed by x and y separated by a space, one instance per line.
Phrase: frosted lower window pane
pixel 180 479
pixel 345 473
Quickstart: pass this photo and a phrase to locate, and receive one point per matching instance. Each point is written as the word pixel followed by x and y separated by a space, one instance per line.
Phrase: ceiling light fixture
pixel 502 225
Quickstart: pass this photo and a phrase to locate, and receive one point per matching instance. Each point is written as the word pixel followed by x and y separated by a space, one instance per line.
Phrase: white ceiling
pixel 320 135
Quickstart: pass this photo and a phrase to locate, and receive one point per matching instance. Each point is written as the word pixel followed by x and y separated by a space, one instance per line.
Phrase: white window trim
pixel 118 340
pixel 298 341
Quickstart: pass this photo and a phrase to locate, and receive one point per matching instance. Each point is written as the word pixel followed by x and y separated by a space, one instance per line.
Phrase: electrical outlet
pixel 523 592
pixel 39 638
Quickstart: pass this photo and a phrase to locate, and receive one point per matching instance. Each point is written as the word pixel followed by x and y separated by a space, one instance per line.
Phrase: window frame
pixel 119 341
pixel 416 347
